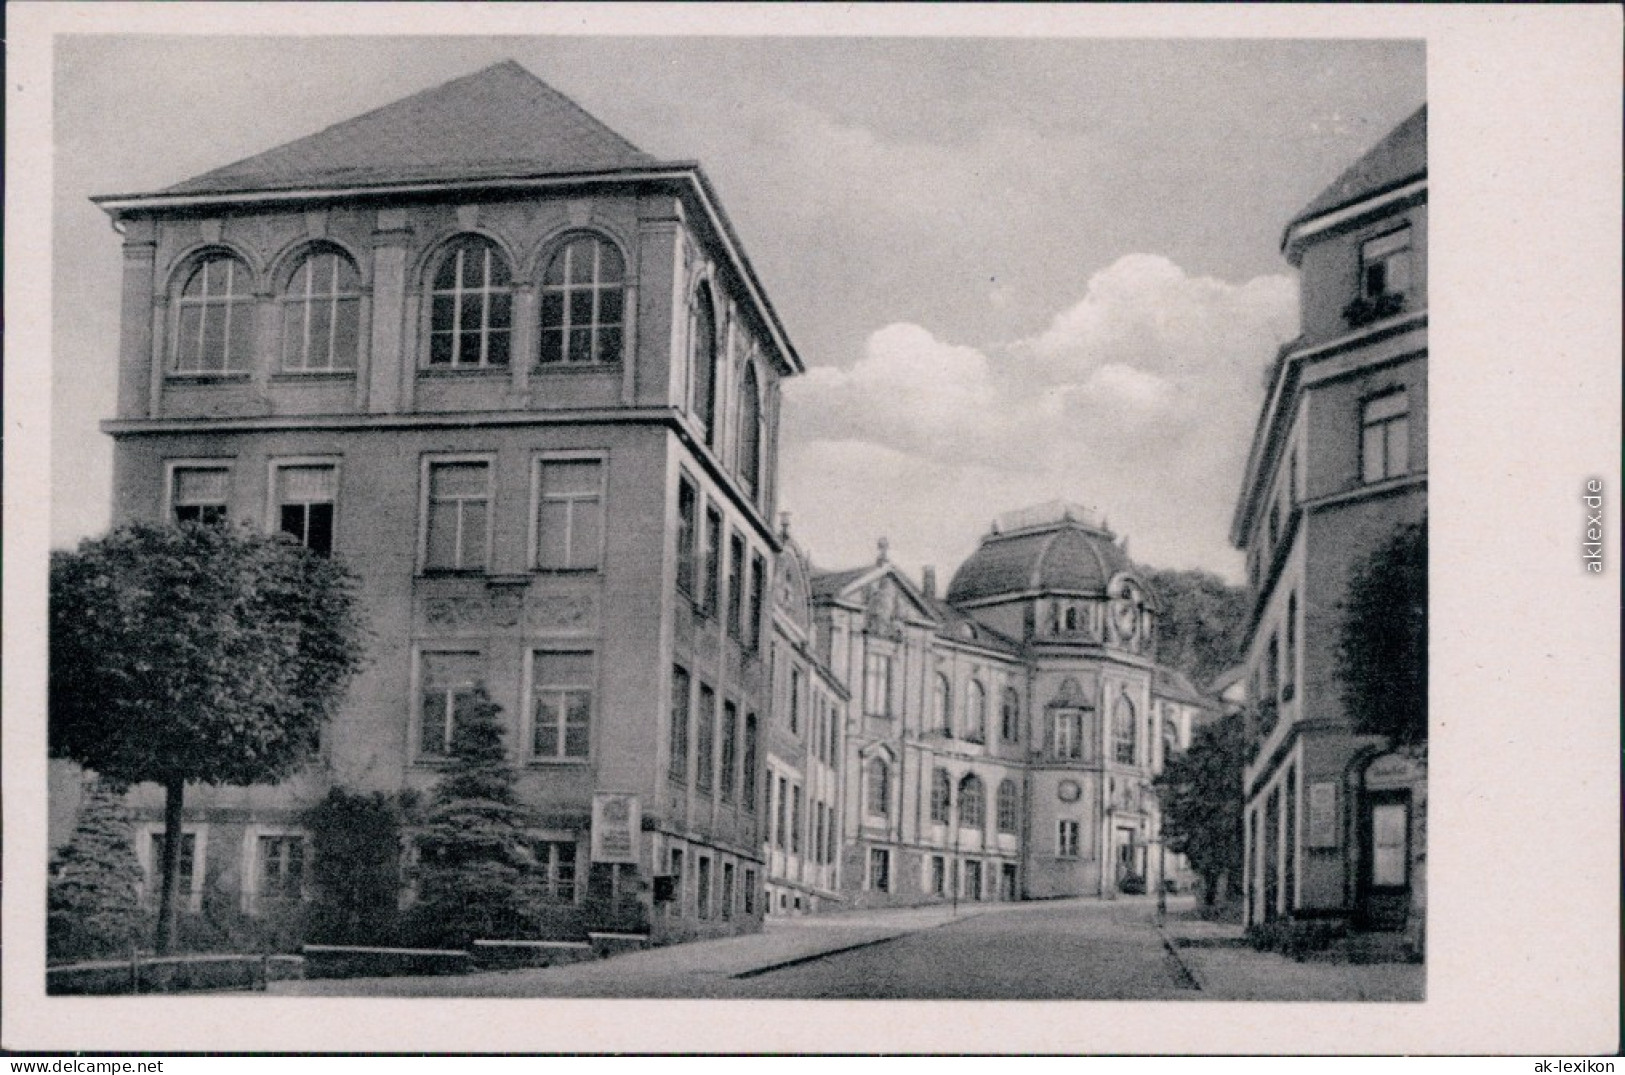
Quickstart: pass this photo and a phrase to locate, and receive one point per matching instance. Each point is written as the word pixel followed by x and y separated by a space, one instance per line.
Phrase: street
pixel 1066 949
pixel 1072 950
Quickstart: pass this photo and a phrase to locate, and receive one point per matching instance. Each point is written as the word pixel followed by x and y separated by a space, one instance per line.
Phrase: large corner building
pixel 522 377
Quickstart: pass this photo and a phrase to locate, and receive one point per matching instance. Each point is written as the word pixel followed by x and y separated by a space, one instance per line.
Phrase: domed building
pixel 1003 737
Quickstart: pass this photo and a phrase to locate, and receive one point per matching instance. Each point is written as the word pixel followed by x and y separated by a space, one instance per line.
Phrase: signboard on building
pixel 616 820
pixel 1323 814
pixel 1392 771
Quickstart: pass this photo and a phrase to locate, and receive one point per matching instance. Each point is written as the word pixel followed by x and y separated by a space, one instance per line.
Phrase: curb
pixel 815 956
pixel 1186 971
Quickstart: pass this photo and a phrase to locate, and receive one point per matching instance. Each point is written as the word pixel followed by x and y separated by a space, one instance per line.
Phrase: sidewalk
pixel 695 969
pixel 1226 968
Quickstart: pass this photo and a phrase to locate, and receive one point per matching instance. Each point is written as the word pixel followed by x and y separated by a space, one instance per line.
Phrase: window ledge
pixel 566 571
pixel 454 372
pixel 282 376
pixel 453 573
pixel 575 368
pixel 200 377
pixel 555 763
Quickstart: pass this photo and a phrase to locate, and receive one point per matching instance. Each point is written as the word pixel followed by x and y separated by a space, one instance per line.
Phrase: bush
pixel 94 896
pixel 356 871
pixel 1132 885
pixel 1296 938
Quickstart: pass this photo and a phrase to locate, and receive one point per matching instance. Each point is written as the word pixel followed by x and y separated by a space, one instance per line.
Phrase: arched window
pixel 1008 806
pixel 214 317
pixel 1123 732
pixel 321 314
pixel 941 792
pixel 1010 716
pixel 972 802
pixel 750 430
pixel 879 788
pixel 471 306
pixel 976 713
pixel 583 316
pixel 703 361
pixel 944 709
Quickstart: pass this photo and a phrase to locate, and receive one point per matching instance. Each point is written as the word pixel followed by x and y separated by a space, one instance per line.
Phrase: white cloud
pixel 1140 399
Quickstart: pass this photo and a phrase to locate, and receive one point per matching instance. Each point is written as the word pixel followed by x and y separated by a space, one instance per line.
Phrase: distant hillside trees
pixel 1199 630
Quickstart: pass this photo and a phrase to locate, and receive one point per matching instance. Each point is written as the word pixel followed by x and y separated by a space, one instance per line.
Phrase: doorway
pixel 1385 870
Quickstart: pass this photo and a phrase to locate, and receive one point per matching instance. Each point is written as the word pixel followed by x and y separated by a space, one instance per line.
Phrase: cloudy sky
pixel 1018 269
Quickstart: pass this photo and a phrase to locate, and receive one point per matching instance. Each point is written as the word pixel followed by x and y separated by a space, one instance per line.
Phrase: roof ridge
pixel 498 115
pixel 1037 572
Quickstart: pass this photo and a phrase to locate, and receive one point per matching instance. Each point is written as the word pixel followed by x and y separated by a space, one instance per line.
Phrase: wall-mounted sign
pixel 616 821
pixel 1323 814
pixel 1392 771
pixel 1069 791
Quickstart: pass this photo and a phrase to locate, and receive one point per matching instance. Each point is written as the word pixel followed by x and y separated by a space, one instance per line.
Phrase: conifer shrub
pixel 94 889
pixel 477 874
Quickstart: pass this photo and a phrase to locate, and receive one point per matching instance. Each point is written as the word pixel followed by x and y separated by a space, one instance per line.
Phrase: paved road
pixel 1072 950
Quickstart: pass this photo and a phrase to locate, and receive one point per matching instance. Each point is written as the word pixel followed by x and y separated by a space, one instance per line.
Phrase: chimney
pixel 928 581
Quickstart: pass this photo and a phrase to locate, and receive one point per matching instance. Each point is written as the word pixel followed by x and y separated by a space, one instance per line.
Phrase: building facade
pixel 1338 464
pixel 1002 739
pixel 521 376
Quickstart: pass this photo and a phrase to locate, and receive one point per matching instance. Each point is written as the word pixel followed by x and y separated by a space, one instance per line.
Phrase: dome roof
pixel 1065 552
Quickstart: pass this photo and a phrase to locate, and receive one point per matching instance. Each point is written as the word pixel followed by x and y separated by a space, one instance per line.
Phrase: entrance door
pixel 1386 872
pixel 1007 881
pixel 1126 854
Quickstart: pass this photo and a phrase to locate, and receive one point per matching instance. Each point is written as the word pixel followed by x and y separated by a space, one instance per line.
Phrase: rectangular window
pixel 726 903
pixel 687 520
pixel 703 879
pixel 750 891
pixel 748 767
pixel 186 877
pixel 457 516
pixel 1068 738
pixel 758 585
pixel 973 879
pixel 1389 840
pixel 556 865
pixel 728 778
pixel 1289 664
pixel 569 514
pixel 304 503
pixel 1385 441
pixel 1385 265
pixel 1066 840
pixel 448 685
pixel 818 833
pixel 198 494
pixel 795 701
pixel 561 705
pixel 780 825
pixel 879 869
pixel 736 586
pixel 795 819
pixel 677 894
pixel 939 875
pixel 677 764
pixel 877 684
pixel 711 598
pixel 705 740
pixel 279 867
